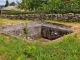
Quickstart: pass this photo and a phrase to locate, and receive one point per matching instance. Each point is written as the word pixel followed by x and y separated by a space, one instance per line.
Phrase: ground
pixel 64 48
pixel 9 21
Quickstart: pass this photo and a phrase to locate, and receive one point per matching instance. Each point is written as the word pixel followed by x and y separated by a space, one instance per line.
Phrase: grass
pixel 63 22
pixel 9 21
pixel 15 49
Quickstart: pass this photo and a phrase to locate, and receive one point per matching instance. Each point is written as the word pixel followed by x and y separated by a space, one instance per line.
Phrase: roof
pixel 10 8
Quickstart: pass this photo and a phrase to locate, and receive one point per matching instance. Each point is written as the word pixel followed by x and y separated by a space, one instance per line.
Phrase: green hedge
pixel 62 11
pixel 12 12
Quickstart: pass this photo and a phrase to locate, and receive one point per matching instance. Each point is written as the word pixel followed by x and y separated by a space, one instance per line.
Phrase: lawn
pixel 9 21
pixel 16 49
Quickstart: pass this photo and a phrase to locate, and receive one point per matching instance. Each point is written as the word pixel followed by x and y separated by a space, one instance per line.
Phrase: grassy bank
pixel 16 49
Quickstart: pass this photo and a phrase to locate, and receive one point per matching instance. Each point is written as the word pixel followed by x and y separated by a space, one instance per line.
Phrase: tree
pixel 12 4
pixel 51 6
pixel 7 3
pixel 23 4
pixel 31 4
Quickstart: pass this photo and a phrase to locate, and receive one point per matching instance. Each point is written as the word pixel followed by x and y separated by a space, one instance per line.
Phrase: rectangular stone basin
pixel 36 30
pixel 53 31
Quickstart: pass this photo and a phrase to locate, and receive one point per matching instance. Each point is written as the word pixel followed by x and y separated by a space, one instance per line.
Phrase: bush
pixel 42 10
pixel 13 12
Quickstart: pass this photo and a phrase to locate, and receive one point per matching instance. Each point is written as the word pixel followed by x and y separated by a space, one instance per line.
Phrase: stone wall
pixel 70 17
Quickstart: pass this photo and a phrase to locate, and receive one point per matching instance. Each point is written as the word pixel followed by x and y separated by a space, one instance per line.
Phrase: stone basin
pixel 36 30
pixel 53 31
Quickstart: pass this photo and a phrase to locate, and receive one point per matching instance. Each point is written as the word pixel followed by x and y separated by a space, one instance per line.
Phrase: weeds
pixel 16 49
pixel 26 31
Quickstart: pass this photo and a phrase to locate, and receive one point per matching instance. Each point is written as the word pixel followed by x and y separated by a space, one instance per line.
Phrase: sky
pixel 2 2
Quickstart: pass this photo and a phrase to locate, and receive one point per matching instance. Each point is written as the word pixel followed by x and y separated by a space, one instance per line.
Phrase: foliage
pixel 16 49
pixel 13 12
pixel 29 51
pixel 7 3
pixel 12 4
pixel 23 4
pixel 47 6
pixel 51 6
pixel 26 31
pixel 31 4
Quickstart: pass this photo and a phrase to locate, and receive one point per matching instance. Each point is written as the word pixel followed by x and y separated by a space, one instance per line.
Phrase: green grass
pixel 13 21
pixel 60 22
pixel 15 49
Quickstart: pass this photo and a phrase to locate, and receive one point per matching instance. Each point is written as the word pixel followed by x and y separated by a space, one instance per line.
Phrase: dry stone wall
pixel 70 17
